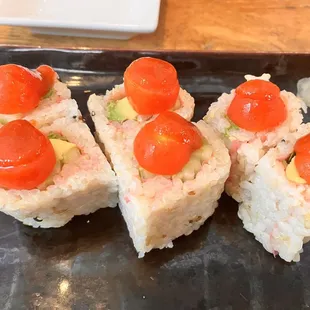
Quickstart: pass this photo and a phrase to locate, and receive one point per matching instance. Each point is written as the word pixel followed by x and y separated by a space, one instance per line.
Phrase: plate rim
pixel 98 50
pixel 150 26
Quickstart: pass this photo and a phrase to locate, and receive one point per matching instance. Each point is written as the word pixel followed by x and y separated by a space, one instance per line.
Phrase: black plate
pixel 91 263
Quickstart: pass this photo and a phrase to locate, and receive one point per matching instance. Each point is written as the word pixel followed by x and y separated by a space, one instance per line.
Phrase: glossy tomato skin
pixel 258 89
pixel 19 89
pixel 151 85
pixel 302 162
pixel 302 158
pixel 160 154
pixel 257 106
pixel 257 115
pixel 22 89
pixel 165 145
pixel 49 76
pixel 175 126
pixel 27 157
pixel 303 145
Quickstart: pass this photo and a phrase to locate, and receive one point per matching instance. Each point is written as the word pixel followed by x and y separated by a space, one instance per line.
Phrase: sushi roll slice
pixel 275 198
pixel 251 119
pixel 49 175
pixel 27 93
pixel 150 87
pixel 170 172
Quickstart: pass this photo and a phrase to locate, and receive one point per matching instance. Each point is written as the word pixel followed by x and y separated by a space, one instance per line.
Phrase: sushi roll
pixel 53 172
pixel 251 119
pixel 170 172
pixel 26 93
pixel 276 197
pixel 150 87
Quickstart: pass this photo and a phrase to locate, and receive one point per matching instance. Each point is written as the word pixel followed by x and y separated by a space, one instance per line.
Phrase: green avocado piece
pixel 55 135
pixel 49 94
pixel 121 110
pixel 65 151
pixel 231 127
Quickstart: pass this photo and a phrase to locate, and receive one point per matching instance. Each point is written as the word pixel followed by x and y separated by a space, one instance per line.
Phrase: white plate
pixel 112 19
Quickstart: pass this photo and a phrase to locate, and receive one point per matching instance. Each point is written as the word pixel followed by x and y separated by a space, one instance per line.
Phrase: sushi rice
pixel 273 208
pixel 158 209
pixel 246 148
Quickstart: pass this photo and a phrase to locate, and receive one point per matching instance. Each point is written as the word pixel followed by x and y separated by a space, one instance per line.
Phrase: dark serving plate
pixel 91 264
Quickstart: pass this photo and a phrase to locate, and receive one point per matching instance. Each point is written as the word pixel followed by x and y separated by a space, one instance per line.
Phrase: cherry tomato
pixel 302 162
pixel 257 106
pixel 258 89
pixel 303 145
pixel 151 85
pixel 19 89
pixel 165 145
pixel 49 77
pixel 27 157
pixel 174 125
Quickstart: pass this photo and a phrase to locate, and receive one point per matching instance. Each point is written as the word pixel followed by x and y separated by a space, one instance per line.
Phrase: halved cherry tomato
pixel 258 89
pixel 19 89
pixel 27 157
pixel 22 89
pixel 257 106
pixel 49 77
pixel 165 145
pixel 151 85
pixel 302 162
pixel 303 145
pixel 173 125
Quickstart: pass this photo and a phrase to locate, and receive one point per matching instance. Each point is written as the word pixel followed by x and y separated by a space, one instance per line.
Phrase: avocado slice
pixel 65 151
pixel 292 173
pixel 121 110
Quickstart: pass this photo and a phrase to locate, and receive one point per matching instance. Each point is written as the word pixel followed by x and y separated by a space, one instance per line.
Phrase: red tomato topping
pixel 22 89
pixel 173 125
pixel 257 106
pixel 303 145
pixel 302 158
pixel 258 89
pixel 19 89
pixel 302 162
pixel 49 77
pixel 151 85
pixel 27 157
pixel 165 145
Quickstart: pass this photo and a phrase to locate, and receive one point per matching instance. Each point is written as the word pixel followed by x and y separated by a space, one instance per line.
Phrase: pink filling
pixel 235 145
pixel 82 164
pixel 58 99
pixel 263 138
